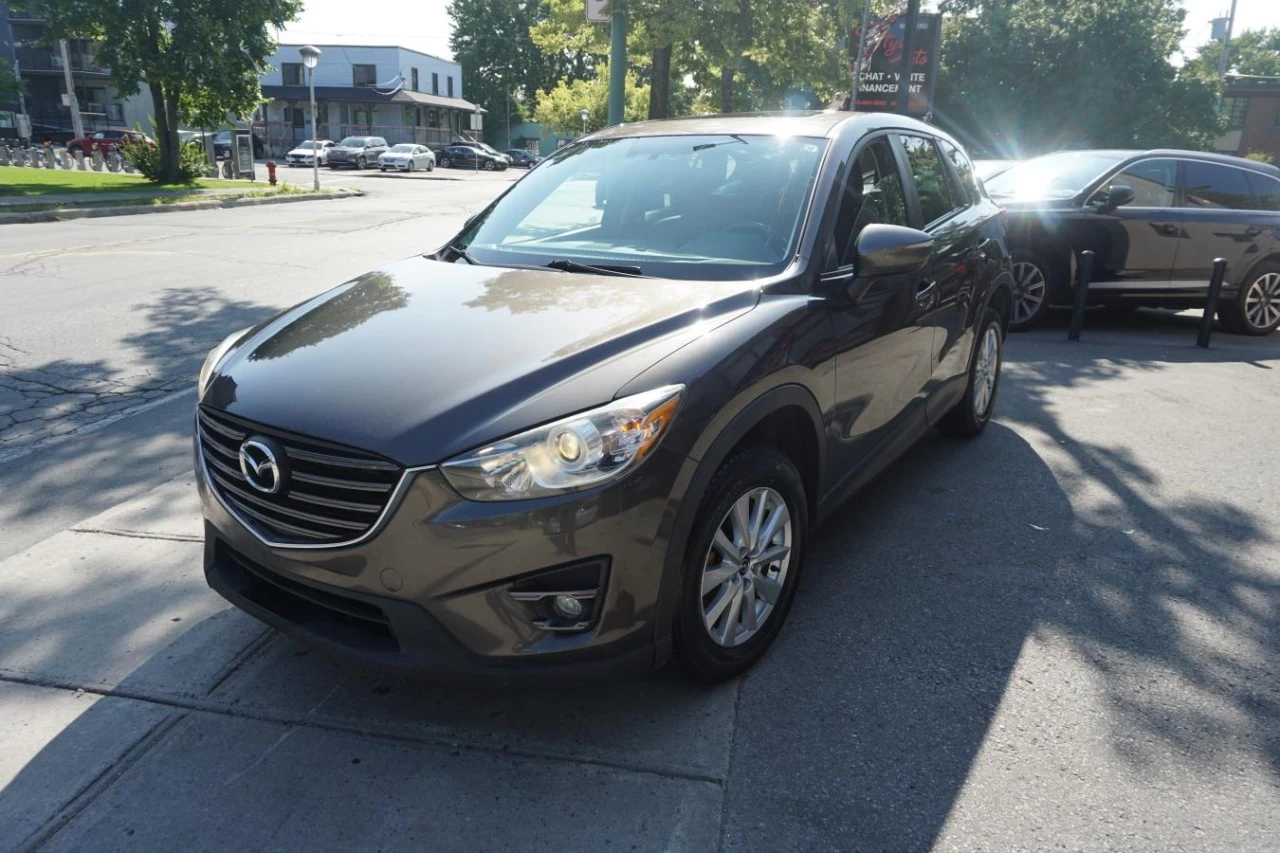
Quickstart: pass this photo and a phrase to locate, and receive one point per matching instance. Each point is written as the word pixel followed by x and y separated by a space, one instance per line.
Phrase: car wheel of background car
pixel 333 166
pixel 431 166
pixel 1032 284
pixel 742 564
pixel 488 165
pixel 360 162
pixel 410 164
pixel 971 414
pixel 382 168
pixel 444 162
pixel 1257 311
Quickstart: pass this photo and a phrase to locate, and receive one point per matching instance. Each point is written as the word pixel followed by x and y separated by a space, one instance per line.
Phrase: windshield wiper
pixel 461 252
pixel 565 265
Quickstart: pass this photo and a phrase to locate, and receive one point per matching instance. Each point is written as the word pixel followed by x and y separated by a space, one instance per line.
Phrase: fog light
pixel 567 607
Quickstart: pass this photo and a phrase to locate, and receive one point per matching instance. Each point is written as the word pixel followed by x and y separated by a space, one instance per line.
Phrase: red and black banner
pixel 878 79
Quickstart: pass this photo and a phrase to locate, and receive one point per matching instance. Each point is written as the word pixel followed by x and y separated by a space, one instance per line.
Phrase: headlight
pixel 211 360
pixel 574 453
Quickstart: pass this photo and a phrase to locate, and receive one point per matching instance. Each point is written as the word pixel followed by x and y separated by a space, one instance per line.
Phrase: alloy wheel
pixel 746 567
pixel 1262 302
pixel 985 370
pixel 1029 290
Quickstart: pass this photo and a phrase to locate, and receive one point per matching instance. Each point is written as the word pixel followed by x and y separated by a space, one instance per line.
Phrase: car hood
pixel 300 151
pixel 424 359
pixel 342 149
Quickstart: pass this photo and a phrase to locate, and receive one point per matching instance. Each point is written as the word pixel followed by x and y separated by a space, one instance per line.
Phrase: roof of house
pixel 367 95
pixel 335 47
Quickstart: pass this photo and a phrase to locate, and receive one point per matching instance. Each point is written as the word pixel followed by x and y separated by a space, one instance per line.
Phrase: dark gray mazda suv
pixel 598 426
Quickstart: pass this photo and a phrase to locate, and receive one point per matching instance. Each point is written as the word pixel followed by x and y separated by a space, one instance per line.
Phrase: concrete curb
pixel 64 213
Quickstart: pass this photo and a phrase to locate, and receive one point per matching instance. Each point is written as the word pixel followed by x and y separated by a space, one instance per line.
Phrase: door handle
pixel 1253 231
pixel 925 290
pixel 1169 228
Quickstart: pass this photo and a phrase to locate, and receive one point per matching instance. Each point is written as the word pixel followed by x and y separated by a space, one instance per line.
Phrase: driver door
pixel 1135 244
pixel 883 349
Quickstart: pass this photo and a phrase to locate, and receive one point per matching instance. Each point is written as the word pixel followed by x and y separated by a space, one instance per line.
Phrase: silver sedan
pixel 407 157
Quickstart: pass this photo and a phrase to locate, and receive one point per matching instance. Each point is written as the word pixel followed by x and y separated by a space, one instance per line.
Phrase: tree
pixel 491 41
pixel 200 59
pixel 561 107
pixel 1020 77
pixel 1255 52
pixel 10 84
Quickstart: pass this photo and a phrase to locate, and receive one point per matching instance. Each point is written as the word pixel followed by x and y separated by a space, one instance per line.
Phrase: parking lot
pixel 1059 636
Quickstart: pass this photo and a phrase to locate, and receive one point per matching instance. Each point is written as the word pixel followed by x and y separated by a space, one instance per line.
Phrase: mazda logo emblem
pixel 262 463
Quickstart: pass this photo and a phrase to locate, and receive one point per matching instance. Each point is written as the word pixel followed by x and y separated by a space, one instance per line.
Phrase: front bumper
pixel 429 593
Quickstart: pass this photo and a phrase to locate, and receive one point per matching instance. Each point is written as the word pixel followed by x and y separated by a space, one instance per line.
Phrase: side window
pixel 1267 191
pixel 964 168
pixel 872 194
pixel 1212 185
pixel 930 177
pixel 1154 182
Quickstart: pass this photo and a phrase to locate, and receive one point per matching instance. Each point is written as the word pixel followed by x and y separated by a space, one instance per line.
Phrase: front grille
pixel 333 494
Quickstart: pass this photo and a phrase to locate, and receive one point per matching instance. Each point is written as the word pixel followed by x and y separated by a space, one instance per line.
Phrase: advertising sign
pixel 883 61
pixel 244 154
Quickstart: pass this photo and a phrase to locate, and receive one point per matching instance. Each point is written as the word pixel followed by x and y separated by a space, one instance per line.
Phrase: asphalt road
pixel 1062 635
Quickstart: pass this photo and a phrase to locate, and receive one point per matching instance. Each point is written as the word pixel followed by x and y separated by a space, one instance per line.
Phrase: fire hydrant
pixel 271 172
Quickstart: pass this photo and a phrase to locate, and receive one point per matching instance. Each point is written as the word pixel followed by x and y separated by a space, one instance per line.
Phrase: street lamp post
pixel 584 115
pixel 310 58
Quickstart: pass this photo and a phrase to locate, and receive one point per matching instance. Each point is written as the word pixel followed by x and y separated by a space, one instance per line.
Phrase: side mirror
pixel 890 249
pixel 1115 196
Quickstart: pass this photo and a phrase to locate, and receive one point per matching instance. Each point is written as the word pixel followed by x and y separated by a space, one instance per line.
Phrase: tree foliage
pixel 1024 76
pixel 200 59
pixel 561 107
pixel 1254 52
pixel 10 84
pixel 491 40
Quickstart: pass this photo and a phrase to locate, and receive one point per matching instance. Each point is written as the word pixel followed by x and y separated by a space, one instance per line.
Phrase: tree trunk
pixel 660 82
pixel 726 89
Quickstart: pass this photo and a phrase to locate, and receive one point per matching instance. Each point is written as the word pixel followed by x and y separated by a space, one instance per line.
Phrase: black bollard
pixel 1084 269
pixel 1211 301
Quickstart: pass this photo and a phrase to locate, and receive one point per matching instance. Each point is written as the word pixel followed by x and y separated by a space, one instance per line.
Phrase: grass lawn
pixel 34 183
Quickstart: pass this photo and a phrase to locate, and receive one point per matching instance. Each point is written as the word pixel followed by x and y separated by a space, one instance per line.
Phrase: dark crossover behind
pixel 1155 221
pixel 596 428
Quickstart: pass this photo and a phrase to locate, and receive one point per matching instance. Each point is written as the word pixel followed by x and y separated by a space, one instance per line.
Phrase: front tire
pixel 488 165
pixel 444 162
pixel 410 165
pixel 971 414
pixel 361 163
pixel 1033 283
pixel 742 564
pixel 1257 311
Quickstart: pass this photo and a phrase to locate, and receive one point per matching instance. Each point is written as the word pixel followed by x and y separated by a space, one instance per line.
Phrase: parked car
pixel 222 142
pixel 560 446
pixel 407 157
pixel 307 150
pixel 988 169
pixel 489 149
pixel 358 151
pixel 470 157
pixel 1155 221
pixel 105 140
pixel 520 157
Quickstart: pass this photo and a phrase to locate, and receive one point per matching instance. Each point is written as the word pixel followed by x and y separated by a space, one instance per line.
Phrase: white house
pixel 393 92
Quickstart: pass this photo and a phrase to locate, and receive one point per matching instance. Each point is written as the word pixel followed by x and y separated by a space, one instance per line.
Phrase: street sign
pixel 883 61
pixel 477 121
pixel 596 13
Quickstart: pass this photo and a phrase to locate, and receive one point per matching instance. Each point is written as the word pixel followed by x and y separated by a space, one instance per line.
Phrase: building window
pixel 1235 110
pixel 449 79
pixel 435 83
pixel 413 75
pixel 292 73
pixel 297 117
pixel 364 75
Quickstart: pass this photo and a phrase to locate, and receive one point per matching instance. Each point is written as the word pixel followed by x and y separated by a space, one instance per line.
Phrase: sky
pixel 423 24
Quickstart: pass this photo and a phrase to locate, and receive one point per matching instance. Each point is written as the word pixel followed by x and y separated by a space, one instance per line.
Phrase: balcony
pixel 39 59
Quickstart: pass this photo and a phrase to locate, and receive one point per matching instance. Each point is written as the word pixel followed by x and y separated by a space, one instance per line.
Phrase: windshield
pixel 307 143
pixel 691 207
pixel 353 142
pixel 1052 176
pixel 402 148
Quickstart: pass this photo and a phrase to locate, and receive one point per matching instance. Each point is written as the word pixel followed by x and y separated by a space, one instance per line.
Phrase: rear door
pixel 1135 245
pixel 1220 220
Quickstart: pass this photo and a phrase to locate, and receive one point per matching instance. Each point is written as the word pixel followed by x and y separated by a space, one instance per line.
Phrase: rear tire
pixel 971 414
pixel 488 165
pixel 1034 283
pixel 721 582
pixel 1257 311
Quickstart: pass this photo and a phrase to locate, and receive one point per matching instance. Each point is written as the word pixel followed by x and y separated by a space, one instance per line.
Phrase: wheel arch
pixel 788 418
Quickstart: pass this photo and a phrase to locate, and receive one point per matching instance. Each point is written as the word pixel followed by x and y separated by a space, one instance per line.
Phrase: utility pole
pixel 908 59
pixel 77 126
pixel 1226 42
pixel 862 52
pixel 617 62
